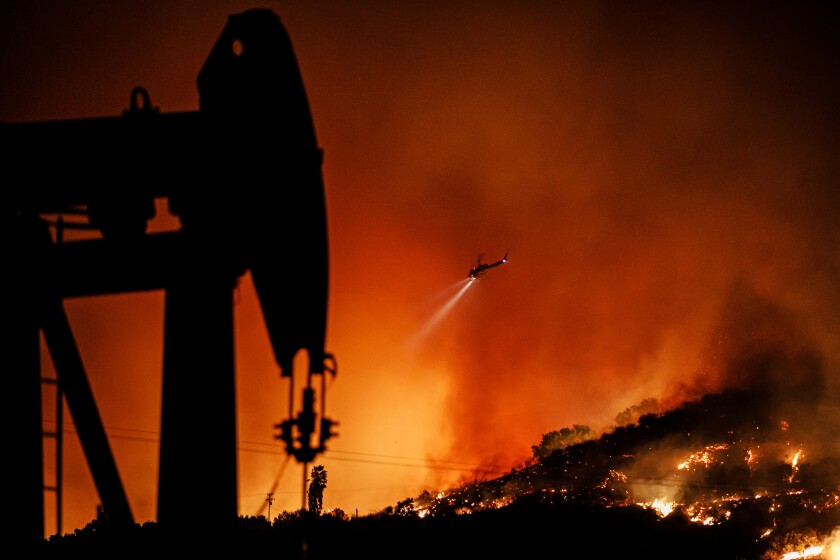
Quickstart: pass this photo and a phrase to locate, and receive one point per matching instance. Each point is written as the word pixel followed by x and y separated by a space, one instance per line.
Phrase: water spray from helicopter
pixel 462 287
pixel 477 272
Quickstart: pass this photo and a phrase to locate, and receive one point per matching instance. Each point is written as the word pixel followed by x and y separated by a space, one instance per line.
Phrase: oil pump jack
pixel 243 175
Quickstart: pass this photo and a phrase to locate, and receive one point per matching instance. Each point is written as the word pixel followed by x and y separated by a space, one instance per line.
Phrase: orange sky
pixel 652 170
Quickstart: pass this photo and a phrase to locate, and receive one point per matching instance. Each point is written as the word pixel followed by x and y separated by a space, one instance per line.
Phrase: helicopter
pixel 479 270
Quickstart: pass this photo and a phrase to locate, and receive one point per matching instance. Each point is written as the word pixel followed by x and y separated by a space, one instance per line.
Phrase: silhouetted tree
pixel 561 439
pixel 405 508
pixel 339 514
pixel 631 415
pixel 317 484
pixel 287 517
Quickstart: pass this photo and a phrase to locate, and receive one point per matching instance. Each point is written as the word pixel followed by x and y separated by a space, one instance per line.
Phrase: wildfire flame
pixel 810 552
pixel 809 545
pixel 794 465
pixel 702 457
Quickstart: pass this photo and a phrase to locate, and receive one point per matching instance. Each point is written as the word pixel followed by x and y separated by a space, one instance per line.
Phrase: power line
pixel 479 469
pixel 416 459
pixel 277 449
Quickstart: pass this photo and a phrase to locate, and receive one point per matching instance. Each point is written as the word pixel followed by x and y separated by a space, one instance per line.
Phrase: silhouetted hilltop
pixel 528 526
pixel 723 477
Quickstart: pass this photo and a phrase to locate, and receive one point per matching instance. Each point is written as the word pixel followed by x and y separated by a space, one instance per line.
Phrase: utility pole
pixel 270 501
pixel 305 465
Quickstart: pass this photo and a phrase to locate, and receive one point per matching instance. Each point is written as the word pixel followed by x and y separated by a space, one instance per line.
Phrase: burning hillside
pixel 728 460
